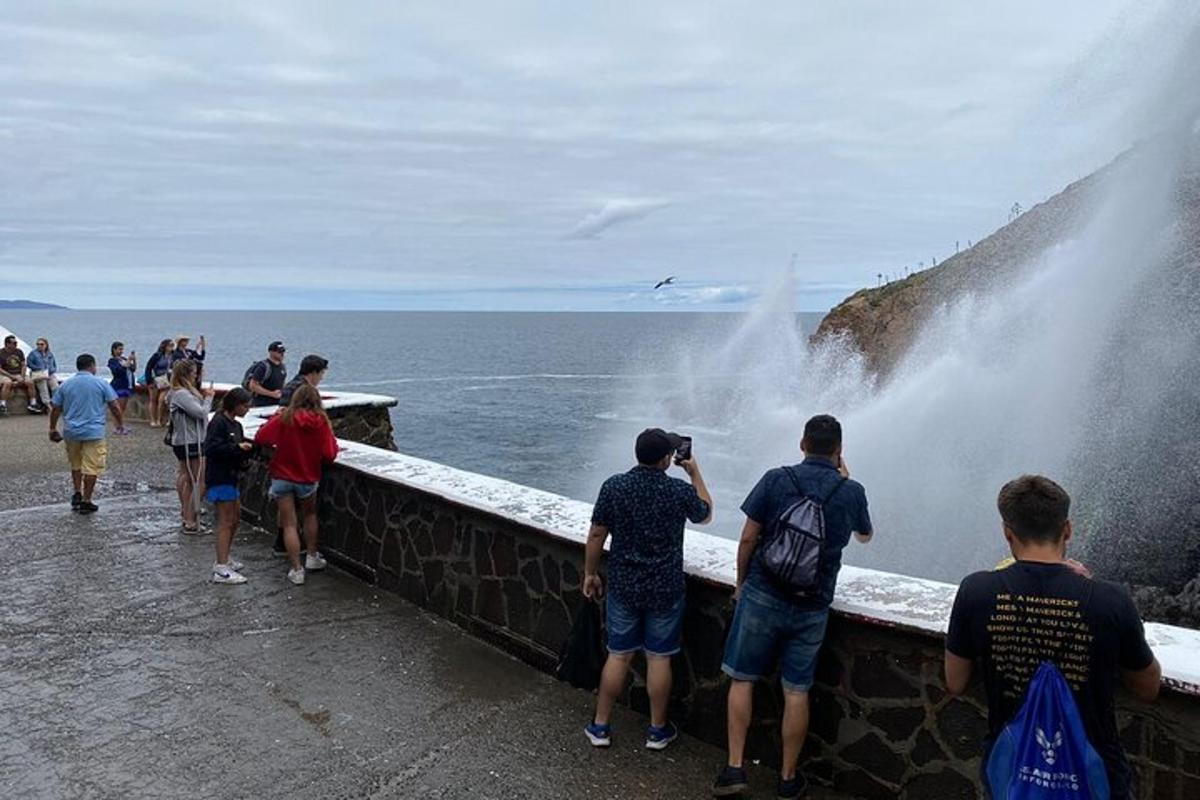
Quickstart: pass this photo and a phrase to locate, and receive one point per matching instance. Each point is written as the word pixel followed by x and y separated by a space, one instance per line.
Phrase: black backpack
pixel 791 554
pixel 582 658
pixel 253 369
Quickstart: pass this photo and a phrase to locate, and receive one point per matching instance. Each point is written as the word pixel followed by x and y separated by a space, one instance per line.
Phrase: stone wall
pixel 882 723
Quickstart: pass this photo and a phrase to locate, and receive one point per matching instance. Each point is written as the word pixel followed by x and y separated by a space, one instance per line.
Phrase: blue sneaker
pixel 730 781
pixel 659 738
pixel 598 735
pixel 791 789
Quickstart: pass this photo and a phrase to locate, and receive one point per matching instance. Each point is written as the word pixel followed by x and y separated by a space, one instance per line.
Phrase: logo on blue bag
pixel 1048 747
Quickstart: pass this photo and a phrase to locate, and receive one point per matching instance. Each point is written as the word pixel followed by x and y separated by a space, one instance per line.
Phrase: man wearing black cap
pixel 265 379
pixel 644 510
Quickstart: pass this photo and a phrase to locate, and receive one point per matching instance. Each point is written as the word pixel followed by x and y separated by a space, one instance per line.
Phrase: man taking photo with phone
pixel 644 510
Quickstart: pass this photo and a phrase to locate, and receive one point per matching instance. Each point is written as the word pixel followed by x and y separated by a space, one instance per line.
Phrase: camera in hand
pixel 684 451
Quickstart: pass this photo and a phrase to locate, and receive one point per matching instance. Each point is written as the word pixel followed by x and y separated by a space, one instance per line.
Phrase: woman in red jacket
pixel 304 442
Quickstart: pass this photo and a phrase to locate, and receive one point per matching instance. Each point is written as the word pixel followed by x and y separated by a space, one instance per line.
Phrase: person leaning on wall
pixel 778 620
pixel 1106 641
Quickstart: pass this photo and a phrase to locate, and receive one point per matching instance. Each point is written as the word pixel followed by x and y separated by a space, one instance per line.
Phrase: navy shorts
pixel 766 627
pixel 630 629
pixel 222 494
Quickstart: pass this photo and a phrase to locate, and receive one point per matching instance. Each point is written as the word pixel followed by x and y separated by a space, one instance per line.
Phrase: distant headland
pixel 29 304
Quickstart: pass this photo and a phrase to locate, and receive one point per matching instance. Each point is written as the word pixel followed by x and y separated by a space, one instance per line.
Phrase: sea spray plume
pixel 1007 383
pixel 746 398
pixel 998 383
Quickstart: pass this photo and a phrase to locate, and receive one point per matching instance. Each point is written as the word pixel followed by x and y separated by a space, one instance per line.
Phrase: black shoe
pixel 792 789
pixel 76 499
pixel 33 408
pixel 88 508
pixel 730 781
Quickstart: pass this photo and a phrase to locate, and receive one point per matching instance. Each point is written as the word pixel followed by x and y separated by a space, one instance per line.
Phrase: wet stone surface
pixel 125 674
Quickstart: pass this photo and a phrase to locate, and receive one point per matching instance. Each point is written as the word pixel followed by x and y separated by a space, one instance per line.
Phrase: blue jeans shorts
pixel 280 487
pixel 766 628
pixel 630 629
pixel 222 494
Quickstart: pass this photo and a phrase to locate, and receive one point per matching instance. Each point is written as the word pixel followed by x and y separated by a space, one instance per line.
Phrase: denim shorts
pixel 280 487
pixel 631 629
pixel 222 494
pixel 766 627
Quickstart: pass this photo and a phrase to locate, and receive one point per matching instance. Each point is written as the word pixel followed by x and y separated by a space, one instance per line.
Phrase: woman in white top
pixel 188 419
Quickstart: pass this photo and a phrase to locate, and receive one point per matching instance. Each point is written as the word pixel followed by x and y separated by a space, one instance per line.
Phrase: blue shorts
pixel 302 491
pixel 124 392
pixel 766 627
pixel 222 494
pixel 630 629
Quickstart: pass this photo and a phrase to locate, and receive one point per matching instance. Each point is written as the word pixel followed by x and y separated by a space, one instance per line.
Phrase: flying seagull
pixel 665 282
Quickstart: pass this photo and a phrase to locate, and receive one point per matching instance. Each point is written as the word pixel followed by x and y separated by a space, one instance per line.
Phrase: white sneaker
pixel 235 565
pixel 225 573
pixel 296 576
pixel 314 562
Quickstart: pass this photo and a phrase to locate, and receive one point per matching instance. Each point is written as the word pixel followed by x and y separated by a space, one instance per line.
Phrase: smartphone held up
pixel 684 451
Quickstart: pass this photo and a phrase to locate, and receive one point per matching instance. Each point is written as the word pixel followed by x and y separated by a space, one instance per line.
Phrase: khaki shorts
pixel 90 457
pixel 6 378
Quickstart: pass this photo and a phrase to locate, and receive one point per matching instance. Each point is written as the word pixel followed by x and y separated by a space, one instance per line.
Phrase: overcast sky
pixel 534 155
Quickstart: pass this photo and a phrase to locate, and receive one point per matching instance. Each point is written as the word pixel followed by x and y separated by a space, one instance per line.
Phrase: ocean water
pixel 545 399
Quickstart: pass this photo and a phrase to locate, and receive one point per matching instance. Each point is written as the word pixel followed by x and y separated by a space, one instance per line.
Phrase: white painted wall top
pixel 890 599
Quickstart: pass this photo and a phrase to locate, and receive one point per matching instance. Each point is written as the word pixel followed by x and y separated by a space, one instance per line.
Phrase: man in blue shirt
pixel 82 403
pixel 644 511
pixel 772 622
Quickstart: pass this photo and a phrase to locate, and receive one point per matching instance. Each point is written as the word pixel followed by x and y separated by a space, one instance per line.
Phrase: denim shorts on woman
pixel 280 487
pixel 222 494
pixel 766 627
pixel 631 629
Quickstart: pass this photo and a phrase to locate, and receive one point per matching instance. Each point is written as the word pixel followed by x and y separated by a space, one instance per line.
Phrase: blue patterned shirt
pixel 645 510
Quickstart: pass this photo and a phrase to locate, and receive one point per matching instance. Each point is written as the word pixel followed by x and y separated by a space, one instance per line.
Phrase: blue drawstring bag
pixel 1044 753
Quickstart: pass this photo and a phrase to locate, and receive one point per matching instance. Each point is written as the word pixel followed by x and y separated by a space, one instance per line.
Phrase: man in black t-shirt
pixel 266 378
pixel 1046 607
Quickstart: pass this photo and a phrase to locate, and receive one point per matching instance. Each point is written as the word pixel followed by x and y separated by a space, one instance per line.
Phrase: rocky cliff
pixel 882 322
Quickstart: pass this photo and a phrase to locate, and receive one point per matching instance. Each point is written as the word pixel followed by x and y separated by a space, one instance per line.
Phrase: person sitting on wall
pixel 14 375
pixel 312 372
pixel 644 511
pixel 777 614
pixel 265 379
pixel 1048 589
pixel 43 371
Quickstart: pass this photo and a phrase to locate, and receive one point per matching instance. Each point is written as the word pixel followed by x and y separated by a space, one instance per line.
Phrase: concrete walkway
pixel 125 674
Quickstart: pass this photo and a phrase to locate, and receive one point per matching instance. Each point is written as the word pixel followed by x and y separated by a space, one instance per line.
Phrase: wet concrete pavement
pixel 124 673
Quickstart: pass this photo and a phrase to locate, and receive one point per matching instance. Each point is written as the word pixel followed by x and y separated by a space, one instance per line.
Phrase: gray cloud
pixel 399 150
pixel 615 212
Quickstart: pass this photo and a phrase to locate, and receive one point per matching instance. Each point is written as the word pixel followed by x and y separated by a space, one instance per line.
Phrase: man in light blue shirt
pixel 82 402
